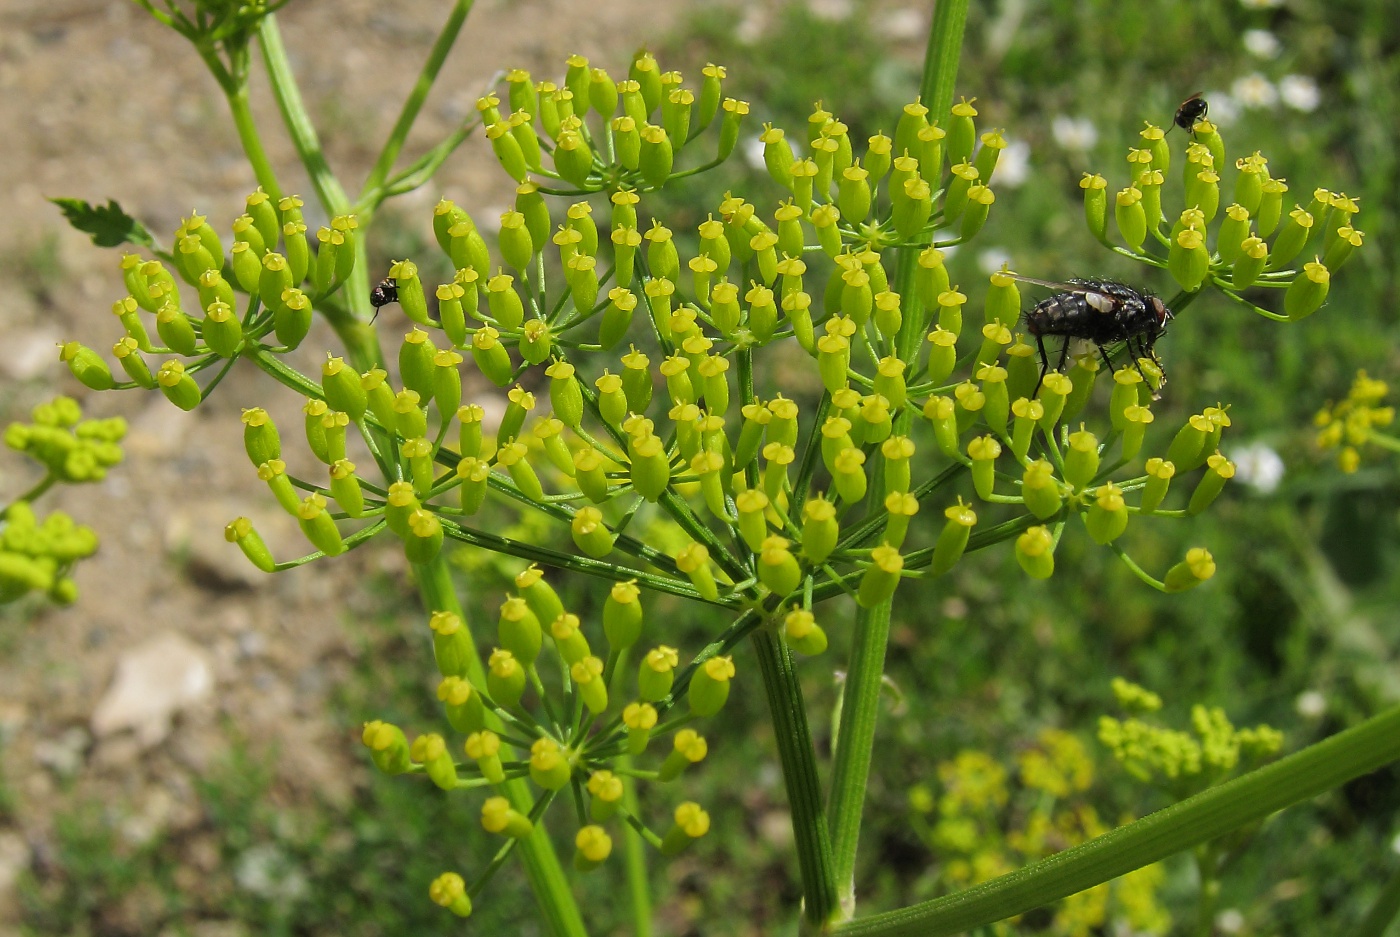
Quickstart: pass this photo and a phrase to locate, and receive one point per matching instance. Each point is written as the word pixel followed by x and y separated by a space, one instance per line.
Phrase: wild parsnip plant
pixel 637 375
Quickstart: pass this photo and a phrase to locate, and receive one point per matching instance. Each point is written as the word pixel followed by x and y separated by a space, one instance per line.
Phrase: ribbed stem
pixel 795 751
pixel 1199 819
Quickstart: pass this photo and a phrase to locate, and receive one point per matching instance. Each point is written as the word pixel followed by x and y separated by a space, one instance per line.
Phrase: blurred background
pixel 243 805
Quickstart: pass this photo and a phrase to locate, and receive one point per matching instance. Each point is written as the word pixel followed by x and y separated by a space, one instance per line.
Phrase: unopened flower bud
pixel 1307 292
pixel 691 824
pixel 498 816
pixel 1035 551
pixel 1196 568
pixel 450 891
pixel 241 531
pixel 387 747
pixel 1096 205
pixel 654 675
pixel 466 712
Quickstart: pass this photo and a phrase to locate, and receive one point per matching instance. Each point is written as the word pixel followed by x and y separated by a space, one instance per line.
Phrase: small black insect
pixel 382 295
pixel 1103 312
pixel 1191 110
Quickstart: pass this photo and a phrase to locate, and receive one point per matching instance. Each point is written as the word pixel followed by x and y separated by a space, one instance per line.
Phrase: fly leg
pixel 1044 363
pixel 1103 352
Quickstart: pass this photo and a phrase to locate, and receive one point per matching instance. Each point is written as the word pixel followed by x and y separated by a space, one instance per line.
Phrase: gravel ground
pixel 101 102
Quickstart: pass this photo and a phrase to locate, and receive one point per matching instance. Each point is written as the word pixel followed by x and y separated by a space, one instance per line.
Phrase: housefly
pixel 1191 110
pixel 1102 312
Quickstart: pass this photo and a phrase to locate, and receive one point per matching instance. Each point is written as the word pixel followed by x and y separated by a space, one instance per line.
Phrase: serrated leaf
pixel 108 225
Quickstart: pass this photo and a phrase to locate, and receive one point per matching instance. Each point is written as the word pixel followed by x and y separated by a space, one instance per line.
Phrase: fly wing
pixel 1051 285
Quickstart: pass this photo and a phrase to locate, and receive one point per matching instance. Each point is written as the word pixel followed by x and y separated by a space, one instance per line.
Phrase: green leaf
pixel 108 225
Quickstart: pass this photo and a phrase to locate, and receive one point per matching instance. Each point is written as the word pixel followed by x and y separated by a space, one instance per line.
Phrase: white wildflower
pixel 1261 43
pixel 1014 165
pixel 1074 133
pixel 1299 92
pixel 1258 466
pixel 1310 704
pixel 1254 91
pixel 1224 109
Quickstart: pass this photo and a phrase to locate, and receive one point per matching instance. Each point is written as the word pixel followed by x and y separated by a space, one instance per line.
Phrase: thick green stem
pixel 1199 819
pixel 360 340
pixel 1382 913
pixel 547 878
pixel 794 740
pixel 635 857
pixel 252 142
pixel 850 767
pixel 860 700
pixel 414 103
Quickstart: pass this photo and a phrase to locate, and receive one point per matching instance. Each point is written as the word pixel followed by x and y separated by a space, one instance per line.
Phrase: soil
pixel 102 102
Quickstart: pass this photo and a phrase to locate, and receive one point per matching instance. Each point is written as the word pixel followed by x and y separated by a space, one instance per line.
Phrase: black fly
pixel 1191 110
pixel 382 295
pixel 1103 312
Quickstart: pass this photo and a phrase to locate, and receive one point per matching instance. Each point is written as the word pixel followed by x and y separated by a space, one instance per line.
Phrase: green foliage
pixel 108 225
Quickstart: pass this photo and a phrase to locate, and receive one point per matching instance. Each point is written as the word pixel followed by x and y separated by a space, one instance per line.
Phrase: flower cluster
pixel 1254 243
pixel 1182 762
pixel 635 367
pixel 1354 422
pixel 987 829
pixel 37 555
pixel 580 736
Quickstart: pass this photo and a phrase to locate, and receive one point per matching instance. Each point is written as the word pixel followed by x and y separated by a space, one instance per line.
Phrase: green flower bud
pixel 450 891
pixel 640 719
pixel 1131 217
pixel 588 679
pixel 657 156
pixel 498 816
pixel 636 381
pixel 689 748
pixel 318 526
pixel 1107 517
pixel 1188 261
pixel 1307 292
pixel 942 412
pixel 1233 231
pixel 1252 259
pixel 127 353
pixel 1291 238
pixel 1196 568
pixel 654 676
pixel 709 686
pixel 950 303
pixel 424 541
pixel 213 288
pixel 126 311
pixel 387 747
pixel 854 193
pixel 549 768
pixel 536 341
pixel 465 710
pixel 1040 490
pixel 1203 192
pixel 1340 251
pixel 483 746
pixel 651 469
pixel 777 567
pixel 222 331
pixel 515 243
pixel 491 356
pixel 1219 470
pixel 1159 476
pixel 1081 458
pixel 179 388
pixel 92 372
pixel 399 507
pixel 430 751
pixel 1077 385
pixel 691 824
pixel 410 420
pixel 897 450
pixel 983 452
pixel 1189 442
pixel 1096 205
pixel 469 433
pixel 240 531
pixel 1035 551
pixel 730 121
pixel 1270 205
pixel 971 401
pixel 952 541
pixel 901 507
pixel 345 488
pixel 473 474
pixel 274 472
pixel 537 591
pixel 590 534
pixel 881 578
pixel 979 204
pixel 467 248
pixel 514 456
pixel 913 204
pixel 504 302
pixel 519 631
pixel 997 404
pixel 505 678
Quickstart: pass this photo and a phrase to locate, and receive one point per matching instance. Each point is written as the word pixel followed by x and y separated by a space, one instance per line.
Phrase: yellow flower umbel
pixel 1352 423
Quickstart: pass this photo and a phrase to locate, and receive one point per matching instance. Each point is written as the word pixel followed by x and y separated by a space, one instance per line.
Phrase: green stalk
pixel 547 878
pixel 860 701
pixel 351 325
pixel 794 740
pixel 635 857
pixel 1383 912
pixel 252 142
pixel 1199 819
pixel 414 103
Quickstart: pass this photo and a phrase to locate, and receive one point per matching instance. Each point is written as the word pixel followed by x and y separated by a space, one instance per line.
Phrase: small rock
pixel 63 755
pixel 152 683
